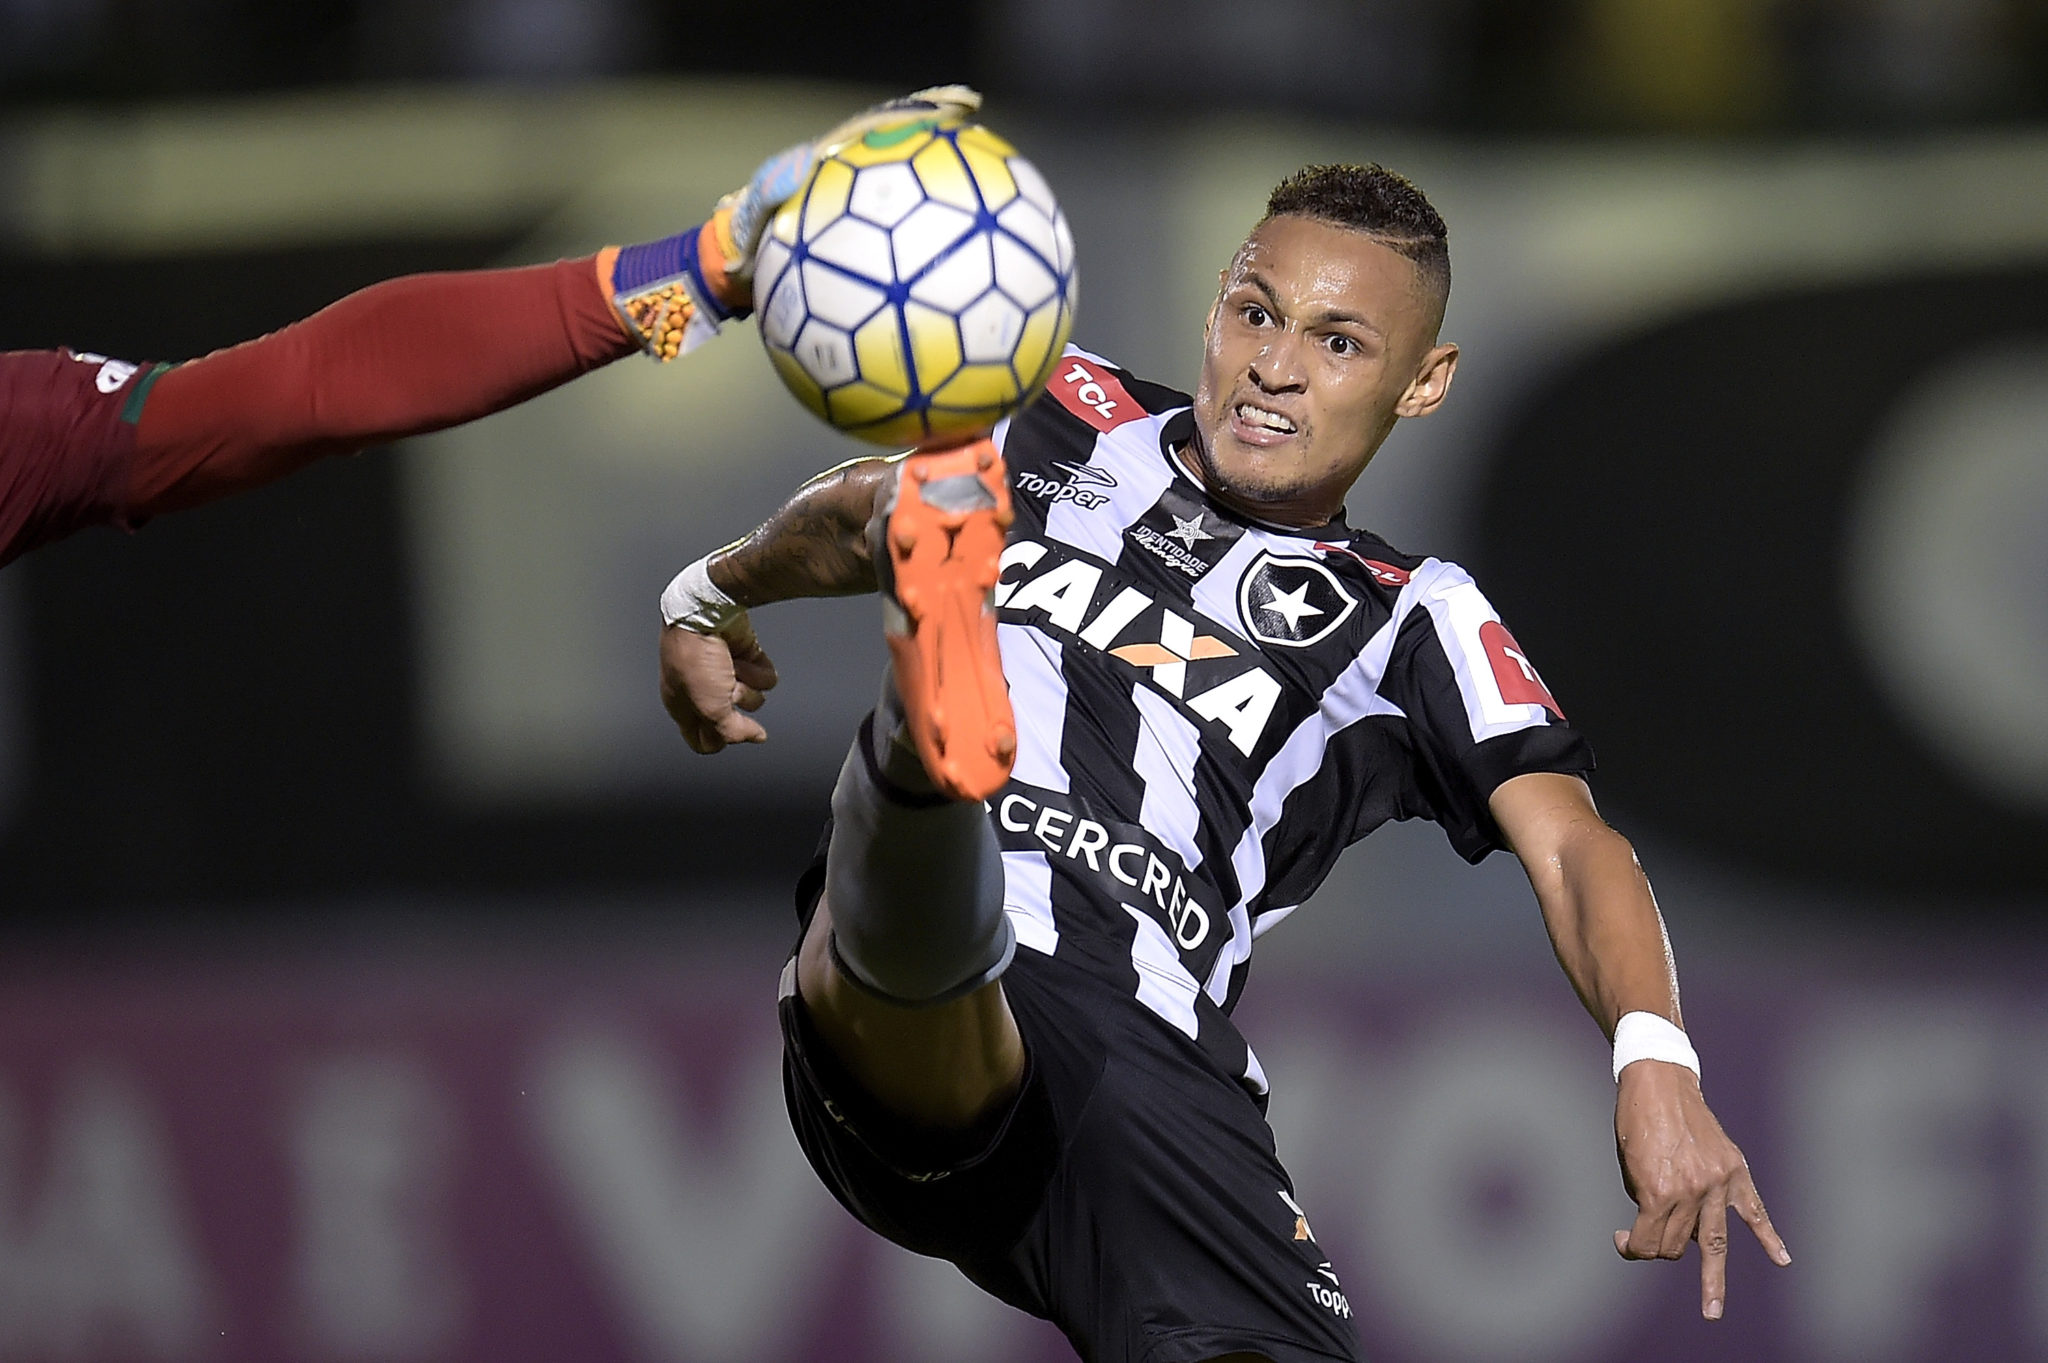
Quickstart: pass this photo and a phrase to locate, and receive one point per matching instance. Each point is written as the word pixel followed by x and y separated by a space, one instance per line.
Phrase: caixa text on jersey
pixel 1063 592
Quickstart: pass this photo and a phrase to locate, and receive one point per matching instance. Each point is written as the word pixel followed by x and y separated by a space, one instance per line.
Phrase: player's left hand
pixel 1684 1174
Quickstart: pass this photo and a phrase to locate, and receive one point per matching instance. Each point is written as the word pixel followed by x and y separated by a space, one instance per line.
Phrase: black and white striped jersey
pixel 1210 710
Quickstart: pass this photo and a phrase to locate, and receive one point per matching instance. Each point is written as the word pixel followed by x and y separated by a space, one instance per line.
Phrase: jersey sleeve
pixel 67 443
pixel 1478 711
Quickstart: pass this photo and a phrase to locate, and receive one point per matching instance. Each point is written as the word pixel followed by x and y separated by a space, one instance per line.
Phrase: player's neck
pixel 1267 518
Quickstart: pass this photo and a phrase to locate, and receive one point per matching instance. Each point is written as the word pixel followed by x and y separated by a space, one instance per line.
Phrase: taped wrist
pixel 1645 1036
pixel 915 885
pixel 694 602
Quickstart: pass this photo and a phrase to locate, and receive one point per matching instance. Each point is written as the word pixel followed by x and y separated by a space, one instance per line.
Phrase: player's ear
pixel 1432 382
pixel 1209 326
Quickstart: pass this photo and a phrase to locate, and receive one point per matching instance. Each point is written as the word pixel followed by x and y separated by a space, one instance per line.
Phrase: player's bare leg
pixel 944 1067
pixel 899 967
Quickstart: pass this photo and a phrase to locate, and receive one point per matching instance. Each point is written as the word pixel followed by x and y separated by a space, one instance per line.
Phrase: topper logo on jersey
pixel 1077 487
pixel 1085 473
pixel 1292 602
pixel 1062 589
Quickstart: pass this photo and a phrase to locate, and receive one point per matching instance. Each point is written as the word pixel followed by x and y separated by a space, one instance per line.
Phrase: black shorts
pixel 1130 1194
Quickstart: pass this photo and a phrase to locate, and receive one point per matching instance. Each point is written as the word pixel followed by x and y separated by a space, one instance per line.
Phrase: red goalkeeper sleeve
pixel 89 441
pixel 397 359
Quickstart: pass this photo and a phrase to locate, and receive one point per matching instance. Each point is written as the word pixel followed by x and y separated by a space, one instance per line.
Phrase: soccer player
pixel 85 440
pixel 1007 1024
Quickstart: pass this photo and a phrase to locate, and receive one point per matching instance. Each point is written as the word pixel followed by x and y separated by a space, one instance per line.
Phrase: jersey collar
pixel 1178 429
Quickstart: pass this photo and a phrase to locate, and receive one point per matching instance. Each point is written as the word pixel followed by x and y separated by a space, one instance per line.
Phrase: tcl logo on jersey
pixel 1292 602
pixel 1091 393
pixel 1062 590
pixel 1519 683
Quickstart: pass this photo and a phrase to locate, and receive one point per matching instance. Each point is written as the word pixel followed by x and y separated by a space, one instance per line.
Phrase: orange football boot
pixel 944 535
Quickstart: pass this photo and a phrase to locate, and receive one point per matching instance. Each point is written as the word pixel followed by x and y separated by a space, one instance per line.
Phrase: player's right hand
pixel 712 683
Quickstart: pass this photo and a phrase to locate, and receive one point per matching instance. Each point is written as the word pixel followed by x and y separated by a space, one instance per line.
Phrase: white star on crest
pixel 1292 606
pixel 1188 531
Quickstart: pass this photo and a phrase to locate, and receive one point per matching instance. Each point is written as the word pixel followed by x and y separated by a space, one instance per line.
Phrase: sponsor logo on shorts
pixel 1329 1298
pixel 1301 1230
pixel 1328 1294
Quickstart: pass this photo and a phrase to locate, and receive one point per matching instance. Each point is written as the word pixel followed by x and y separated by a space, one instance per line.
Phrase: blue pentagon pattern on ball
pixel 920 287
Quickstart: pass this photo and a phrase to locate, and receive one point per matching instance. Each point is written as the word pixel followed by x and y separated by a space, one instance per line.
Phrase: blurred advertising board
pixel 542 1155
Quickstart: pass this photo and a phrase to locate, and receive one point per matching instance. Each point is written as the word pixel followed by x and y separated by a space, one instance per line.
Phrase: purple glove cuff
pixel 640 268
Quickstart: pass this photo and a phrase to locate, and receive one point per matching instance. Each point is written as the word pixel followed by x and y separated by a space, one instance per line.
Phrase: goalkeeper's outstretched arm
pixel 85 440
pixel 89 441
pixel 398 359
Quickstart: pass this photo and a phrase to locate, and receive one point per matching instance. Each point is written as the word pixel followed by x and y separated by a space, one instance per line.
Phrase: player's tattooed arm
pixel 815 545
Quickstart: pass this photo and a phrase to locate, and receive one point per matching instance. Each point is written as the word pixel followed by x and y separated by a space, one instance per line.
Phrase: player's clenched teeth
pixel 1251 424
pixel 1260 417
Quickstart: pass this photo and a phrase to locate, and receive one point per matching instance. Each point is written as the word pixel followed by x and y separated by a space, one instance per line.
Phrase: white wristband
pixel 1645 1036
pixel 694 602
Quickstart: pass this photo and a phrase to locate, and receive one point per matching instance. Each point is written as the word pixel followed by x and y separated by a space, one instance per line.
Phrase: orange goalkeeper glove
pixel 673 294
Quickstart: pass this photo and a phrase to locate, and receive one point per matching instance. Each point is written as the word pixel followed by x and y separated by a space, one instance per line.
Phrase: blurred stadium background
pixel 383 980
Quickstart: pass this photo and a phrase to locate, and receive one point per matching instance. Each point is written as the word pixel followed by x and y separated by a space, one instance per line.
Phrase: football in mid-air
pixel 920 287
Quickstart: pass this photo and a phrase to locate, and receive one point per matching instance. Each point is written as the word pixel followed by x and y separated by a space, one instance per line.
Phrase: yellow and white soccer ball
pixel 920 287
